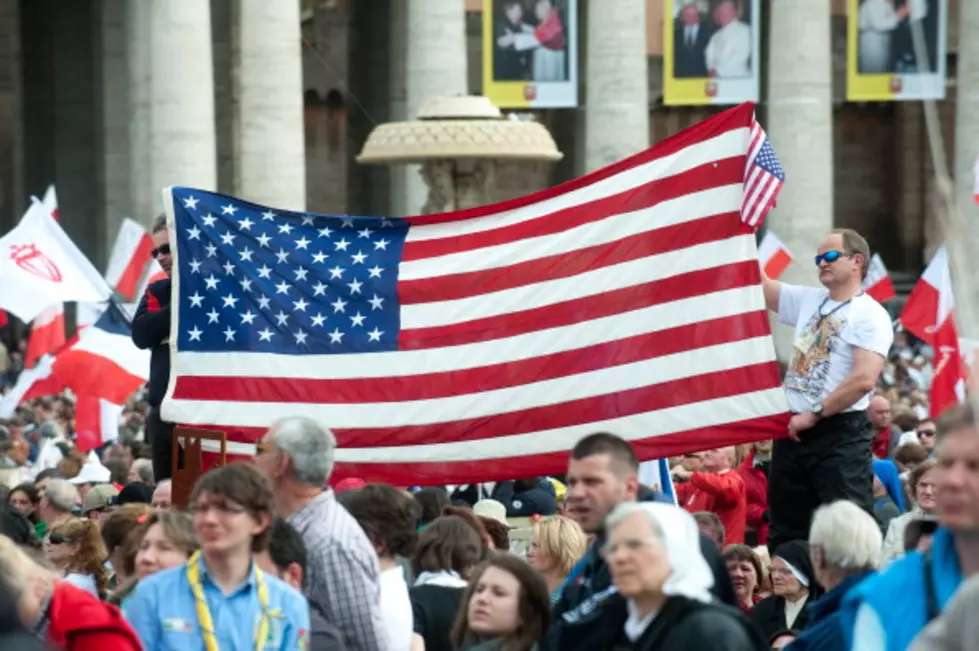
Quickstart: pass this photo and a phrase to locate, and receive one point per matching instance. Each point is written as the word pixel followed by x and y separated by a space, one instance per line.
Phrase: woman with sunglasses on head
pixel 74 546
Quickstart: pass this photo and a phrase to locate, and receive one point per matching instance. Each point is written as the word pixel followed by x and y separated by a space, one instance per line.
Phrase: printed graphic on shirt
pixel 809 371
pixel 174 625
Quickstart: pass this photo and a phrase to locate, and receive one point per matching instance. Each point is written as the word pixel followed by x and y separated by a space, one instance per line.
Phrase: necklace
pixel 204 619
pixel 823 317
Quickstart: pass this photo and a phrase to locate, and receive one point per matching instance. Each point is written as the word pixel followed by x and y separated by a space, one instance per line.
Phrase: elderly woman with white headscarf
pixel 661 598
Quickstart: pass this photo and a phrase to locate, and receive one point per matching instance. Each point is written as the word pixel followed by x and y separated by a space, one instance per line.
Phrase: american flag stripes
pixel 481 344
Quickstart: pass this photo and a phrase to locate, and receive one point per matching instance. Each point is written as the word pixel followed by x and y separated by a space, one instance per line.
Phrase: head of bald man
pixel 879 412
pixel 719 459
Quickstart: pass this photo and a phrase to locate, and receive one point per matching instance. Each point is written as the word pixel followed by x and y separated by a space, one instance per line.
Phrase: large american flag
pixel 482 344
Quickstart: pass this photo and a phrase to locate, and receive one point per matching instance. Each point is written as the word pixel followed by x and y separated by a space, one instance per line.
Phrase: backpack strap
pixel 931 598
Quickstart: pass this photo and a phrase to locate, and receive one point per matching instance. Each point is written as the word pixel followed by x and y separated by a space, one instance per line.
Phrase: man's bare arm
pixel 867 366
pixel 772 290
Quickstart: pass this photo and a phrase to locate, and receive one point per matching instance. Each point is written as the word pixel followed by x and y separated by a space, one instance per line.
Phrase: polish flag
pixel 878 281
pixel 774 255
pixel 41 266
pixel 47 334
pixel 96 422
pixel 930 315
pixel 127 263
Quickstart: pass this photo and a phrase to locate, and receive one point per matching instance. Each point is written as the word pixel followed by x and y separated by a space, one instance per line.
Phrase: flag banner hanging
pixel 878 283
pixel 482 344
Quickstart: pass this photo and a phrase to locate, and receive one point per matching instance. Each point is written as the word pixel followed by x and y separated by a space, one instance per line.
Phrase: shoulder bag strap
pixel 931 599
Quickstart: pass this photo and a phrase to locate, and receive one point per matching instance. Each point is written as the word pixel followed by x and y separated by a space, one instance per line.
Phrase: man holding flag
pixel 842 337
pixel 151 330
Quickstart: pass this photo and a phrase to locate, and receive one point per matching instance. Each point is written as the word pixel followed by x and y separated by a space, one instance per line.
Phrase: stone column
pixel 182 148
pixel 966 143
pixel 800 127
pixel 145 205
pixel 272 146
pixel 115 171
pixel 435 66
pixel 398 103
pixel 617 86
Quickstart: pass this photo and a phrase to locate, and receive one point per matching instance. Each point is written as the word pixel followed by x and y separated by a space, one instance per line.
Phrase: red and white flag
pixel 47 334
pixel 40 266
pixel 127 263
pixel 50 203
pixel 481 344
pixel 929 314
pixel 878 282
pixel 775 257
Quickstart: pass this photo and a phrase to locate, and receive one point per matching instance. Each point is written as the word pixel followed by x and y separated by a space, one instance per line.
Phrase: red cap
pixel 349 484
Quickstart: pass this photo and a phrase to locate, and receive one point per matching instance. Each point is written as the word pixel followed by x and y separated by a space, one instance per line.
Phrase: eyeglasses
pixel 163 249
pixel 59 539
pixel 831 256
pixel 926 432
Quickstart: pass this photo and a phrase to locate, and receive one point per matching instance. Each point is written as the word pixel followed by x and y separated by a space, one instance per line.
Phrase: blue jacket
pixel 886 611
pixel 824 632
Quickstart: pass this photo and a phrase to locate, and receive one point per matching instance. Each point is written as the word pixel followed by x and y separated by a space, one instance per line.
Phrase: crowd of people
pixel 860 530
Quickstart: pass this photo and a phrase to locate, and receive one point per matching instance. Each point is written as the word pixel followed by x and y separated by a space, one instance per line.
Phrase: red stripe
pixel 87 373
pixel 571 263
pixel 129 281
pixel 152 302
pixel 657 292
pixel 553 463
pixel 736 118
pixel 710 175
pixel 476 380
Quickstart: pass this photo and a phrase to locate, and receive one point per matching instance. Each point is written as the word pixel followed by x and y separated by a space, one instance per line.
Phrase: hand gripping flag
pixel 482 344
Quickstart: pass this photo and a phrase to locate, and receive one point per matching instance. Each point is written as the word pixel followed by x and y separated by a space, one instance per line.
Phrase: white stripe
pixel 604 381
pixel 485 353
pixel 123 251
pixel 116 348
pixel 745 406
pixel 727 145
pixel 688 208
pixel 589 283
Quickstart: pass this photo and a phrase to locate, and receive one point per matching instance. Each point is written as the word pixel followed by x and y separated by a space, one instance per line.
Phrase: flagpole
pixel 949 219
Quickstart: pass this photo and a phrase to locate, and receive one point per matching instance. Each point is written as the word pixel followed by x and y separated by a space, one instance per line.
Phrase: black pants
pixel 160 435
pixel 833 462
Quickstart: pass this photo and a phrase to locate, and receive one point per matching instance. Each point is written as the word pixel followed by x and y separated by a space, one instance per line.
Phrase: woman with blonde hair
pixel 557 543
pixel 74 546
pixel 161 540
pixel 64 616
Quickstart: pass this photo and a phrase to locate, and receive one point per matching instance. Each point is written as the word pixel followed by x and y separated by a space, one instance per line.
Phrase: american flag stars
pixel 257 280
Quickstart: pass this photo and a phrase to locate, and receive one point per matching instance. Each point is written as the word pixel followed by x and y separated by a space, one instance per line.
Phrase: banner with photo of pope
pixel 711 53
pixel 881 62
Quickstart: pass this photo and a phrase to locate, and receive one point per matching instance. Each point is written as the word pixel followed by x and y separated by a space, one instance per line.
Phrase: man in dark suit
pixel 690 37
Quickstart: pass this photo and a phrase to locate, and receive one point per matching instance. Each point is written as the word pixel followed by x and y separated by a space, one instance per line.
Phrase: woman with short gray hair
pixel 845 546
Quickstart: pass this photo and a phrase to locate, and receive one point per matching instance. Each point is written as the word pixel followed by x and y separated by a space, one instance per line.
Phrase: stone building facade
pixel 272 100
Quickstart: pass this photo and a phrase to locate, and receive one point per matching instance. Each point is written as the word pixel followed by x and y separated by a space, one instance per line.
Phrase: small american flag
pixel 482 344
pixel 763 177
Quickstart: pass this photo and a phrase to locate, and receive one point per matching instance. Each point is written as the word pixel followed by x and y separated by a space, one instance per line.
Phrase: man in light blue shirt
pixel 220 600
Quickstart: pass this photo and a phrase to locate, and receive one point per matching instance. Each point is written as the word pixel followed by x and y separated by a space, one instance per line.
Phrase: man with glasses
pixel 842 337
pixel 926 436
pixel 151 329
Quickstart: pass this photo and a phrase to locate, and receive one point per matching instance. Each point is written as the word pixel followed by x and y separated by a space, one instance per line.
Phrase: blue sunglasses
pixel 831 256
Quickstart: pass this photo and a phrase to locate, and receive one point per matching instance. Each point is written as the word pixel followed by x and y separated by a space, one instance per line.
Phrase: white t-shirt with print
pixel 826 331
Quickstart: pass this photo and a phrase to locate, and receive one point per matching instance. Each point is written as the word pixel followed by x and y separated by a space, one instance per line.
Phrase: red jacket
pixel 80 622
pixel 756 490
pixel 722 494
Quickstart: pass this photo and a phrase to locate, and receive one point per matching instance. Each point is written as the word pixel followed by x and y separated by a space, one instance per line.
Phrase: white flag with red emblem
pixel 774 255
pixel 930 315
pixel 41 266
pixel 878 282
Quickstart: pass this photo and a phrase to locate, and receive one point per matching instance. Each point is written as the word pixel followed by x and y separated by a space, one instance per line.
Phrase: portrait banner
pixel 711 52
pixel 530 53
pixel 880 58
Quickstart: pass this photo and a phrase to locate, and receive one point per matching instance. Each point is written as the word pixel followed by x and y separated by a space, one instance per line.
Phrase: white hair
pixel 308 445
pixel 849 537
pixel 144 470
pixel 62 495
pixel 625 509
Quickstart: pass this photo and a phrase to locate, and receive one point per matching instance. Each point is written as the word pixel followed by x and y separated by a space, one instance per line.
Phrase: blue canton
pixel 768 161
pixel 259 280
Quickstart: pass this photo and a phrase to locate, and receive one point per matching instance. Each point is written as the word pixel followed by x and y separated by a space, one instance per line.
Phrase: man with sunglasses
pixel 151 330
pixel 842 337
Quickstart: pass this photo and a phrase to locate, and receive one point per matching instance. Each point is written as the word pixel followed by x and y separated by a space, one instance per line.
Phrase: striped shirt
pixel 343 574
